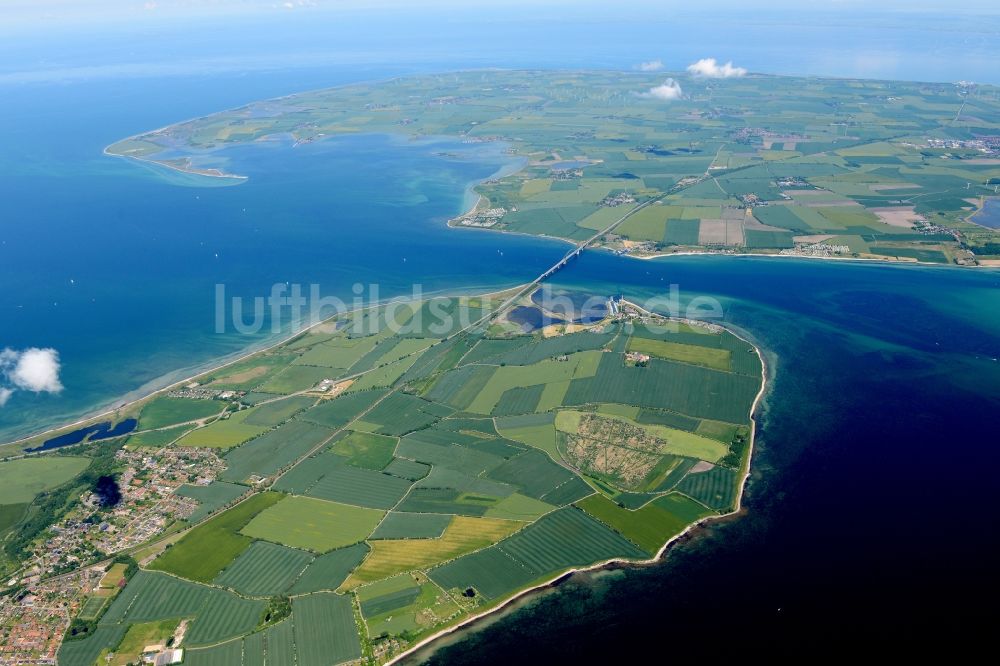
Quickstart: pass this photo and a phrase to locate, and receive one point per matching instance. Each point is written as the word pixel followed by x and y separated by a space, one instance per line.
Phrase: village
pixel 41 600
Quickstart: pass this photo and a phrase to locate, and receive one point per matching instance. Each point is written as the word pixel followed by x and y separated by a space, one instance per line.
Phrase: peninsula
pixel 757 164
pixel 385 477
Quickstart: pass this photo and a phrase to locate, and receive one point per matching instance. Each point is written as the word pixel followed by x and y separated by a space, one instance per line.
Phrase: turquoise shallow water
pixel 115 263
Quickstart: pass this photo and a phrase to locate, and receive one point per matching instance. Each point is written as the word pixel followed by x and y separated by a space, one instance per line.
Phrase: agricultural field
pixel 313 524
pixel 21 480
pixel 367 450
pixel 265 455
pixel 325 632
pixel 264 569
pixel 756 164
pixel 463 534
pixel 406 604
pixel 651 526
pixel 212 497
pixel 154 439
pixel 209 548
pixel 167 411
pixel 215 615
pixel 706 356
pixel 224 433
pixel 369 519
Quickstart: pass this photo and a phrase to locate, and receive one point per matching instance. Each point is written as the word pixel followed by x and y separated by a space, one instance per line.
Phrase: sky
pixel 62 40
pixel 40 13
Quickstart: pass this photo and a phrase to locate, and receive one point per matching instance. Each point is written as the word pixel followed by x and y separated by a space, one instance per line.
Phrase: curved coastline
pixel 467 623
pixel 504 604
pixel 527 592
pixel 145 392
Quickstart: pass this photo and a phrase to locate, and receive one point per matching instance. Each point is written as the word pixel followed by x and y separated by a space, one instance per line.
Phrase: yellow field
pixel 463 535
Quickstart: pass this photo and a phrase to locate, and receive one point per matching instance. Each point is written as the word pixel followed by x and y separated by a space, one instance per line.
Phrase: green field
pixel 272 413
pixel 519 507
pixel 411 526
pixel 280 644
pixel 151 596
pixel 264 569
pixel 339 412
pixel 706 356
pixel 210 498
pixel 274 450
pixel 328 571
pixel 337 353
pixel 324 630
pixel 92 607
pixel 224 433
pixel 556 542
pixel 367 450
pixel 401 413
pixel 407 469
pixel 511 377
pixel 219 655
pixel 209 548
pixel 404 606
pixel 165 411
pixel 296 378
pixel 21 480
pixel 536 476
pixel 156 438
pixel 384 376
pixel 313 524
pixel 679 387
pixel 536 430
pixel 715 488
pixel 652 525
pixel 361 487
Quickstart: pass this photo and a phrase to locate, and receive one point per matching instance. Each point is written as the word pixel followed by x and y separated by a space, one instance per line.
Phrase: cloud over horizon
pixel 710 69
pixel 651 66
pixel 668 90
pixel 33 369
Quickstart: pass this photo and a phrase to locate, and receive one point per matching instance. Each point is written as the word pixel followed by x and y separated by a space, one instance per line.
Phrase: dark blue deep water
pixel 870 524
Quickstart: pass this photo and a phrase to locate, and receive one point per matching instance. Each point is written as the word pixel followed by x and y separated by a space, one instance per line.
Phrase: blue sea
pixel 871 504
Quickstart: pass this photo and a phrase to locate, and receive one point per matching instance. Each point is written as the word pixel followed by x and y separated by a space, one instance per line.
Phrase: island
pixel 757 164
pixel 378 480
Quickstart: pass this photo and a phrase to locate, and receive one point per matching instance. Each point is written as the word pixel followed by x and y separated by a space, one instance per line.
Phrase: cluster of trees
pixel 277 609
pixel 48 507
pixel 988 248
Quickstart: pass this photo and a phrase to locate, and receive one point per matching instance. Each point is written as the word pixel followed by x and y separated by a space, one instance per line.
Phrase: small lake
pixel 989 215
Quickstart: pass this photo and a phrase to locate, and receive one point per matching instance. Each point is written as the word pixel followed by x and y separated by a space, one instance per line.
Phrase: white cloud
pixel 709 68
pixel 668 90
pixel 651 66
pixel 33 369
